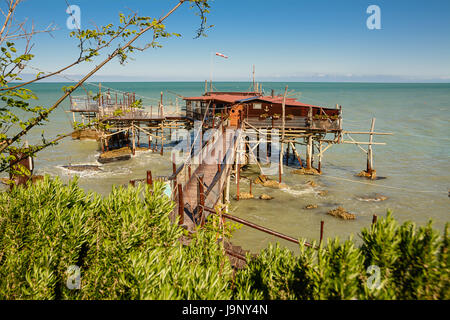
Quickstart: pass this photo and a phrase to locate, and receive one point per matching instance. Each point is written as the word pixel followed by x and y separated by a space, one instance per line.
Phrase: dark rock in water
pixel 83 168
pixel 114 159
pixel 341 213
pixel 115 155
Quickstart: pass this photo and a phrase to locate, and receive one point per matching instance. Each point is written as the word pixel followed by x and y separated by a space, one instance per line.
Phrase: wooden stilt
pixel 149 178
pixel 321 232
pixel 133 140
pixel 320 158
pixel 162 140
pixel 369 149
pixel 297 155
pixel 374 219
pixel 257 148
pixel 238 176
pixel 180 205
pixel 227 188
pixel 309 152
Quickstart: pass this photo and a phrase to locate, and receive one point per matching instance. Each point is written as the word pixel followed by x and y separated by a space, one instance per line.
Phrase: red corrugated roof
pixel 234 98
pixel 228 98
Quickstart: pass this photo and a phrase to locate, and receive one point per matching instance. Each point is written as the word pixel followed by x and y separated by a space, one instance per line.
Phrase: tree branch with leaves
pixel 15 100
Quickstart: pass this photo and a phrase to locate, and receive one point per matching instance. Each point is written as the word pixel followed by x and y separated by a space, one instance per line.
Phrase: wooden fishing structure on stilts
pixel 247 128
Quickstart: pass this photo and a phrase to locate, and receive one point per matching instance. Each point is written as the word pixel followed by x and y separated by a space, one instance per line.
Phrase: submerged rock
pixel 115 155
pixel 85 134
pixel 369 175
pixel 265 182
pixel 245 196
pixel 340 212
pixel 265 197
pixel 322 193
pixel 311 206
pixel 261 179
pixel 305 171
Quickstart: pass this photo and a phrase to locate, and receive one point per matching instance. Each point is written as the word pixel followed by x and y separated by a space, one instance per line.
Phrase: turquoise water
pixel 415 161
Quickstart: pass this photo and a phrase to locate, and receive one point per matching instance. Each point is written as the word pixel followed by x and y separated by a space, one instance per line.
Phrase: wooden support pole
pixel 374 219
pixel 238 175
pixel 369 149
pixel 321 232
pixel 162 140
pixel 320 157
pixel 309 152
pixel 133 146
pixel 174 165
pixel 251 186
pixel 280 165
pixel 257 148
pixel 296 154
pixel 227 189
pixel 138 137
pixel 149 178
pixel 180 205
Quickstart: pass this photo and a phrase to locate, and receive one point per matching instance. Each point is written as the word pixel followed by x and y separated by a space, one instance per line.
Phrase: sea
pixel 413 166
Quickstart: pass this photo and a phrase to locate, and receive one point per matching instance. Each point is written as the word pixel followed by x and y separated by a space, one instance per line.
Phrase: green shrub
pixel 125 245
pixel 127 248
pixel 413 264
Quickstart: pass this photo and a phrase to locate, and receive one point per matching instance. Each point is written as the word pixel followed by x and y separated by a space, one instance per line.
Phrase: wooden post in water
pixel 174 165
pixel 321 232
pixel 374 219
pixel 283 131
pixel 320 157
pixel 369 149
pixel 227 189
pixel 238 175
pixel 138 136
pixel 133 139
pixel 257 148
pixel 149 178
pixel 251 187
pixel 162 139
pixel 309 152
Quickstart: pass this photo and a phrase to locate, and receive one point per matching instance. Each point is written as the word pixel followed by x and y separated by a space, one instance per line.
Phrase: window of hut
pixel 257 106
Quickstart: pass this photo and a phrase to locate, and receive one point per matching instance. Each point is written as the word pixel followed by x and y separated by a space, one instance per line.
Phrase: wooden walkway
pixel 202 183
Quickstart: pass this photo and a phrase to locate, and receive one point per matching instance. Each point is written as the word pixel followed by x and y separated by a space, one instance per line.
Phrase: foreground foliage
pixel 125 245
pixel 126 248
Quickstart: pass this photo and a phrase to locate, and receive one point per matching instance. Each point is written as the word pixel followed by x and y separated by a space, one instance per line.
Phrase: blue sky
pixel 287 40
